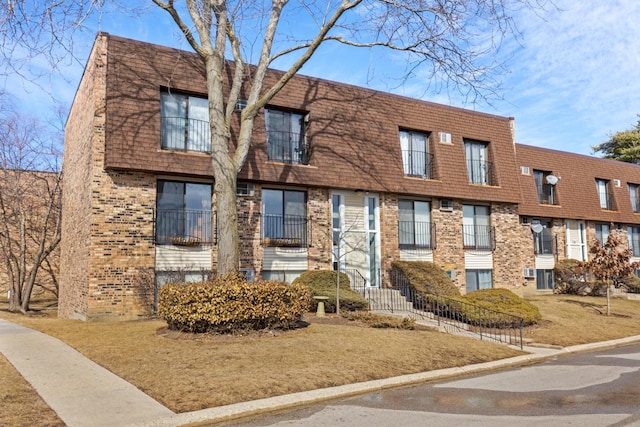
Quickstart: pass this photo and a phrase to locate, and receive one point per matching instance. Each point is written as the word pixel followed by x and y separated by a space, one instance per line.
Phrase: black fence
pixel 284 230
pixel 184 227
pixel 450 313
pixel 287 147
pixel 179 133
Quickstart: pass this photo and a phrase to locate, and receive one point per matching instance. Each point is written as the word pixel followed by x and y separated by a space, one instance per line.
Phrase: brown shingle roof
pixel 353 132
pixel 576 187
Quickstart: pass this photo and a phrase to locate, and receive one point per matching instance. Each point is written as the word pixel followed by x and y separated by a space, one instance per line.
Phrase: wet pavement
pixel 588 389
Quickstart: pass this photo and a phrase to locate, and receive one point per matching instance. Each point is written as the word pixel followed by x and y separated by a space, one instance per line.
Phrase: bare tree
pixel 30 189
pixel 453 44
pixel 454 40
pixel 611 262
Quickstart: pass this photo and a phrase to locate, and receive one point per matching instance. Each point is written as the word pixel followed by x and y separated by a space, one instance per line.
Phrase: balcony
pixel 544 242
pixel 183 227
pixel 635 203
pixel 480 172
pixel 286 147
pixel 416 235
pixel 417 164
pixel 284 230
pixel 606 201
pixel 180 134
pixel 479 237
pixel 547 195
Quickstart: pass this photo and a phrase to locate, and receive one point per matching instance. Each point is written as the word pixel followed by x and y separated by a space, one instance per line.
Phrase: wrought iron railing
pixel 284 230
pixel 480 172
pixel 417 163
pixel 183 227
pixel 544 243
pixel 635 203
pixel 179 133
pixel 454 313
pixel 547 194
pixel 416 235
pixel 606 201
pixel 287 147
pixel 479 237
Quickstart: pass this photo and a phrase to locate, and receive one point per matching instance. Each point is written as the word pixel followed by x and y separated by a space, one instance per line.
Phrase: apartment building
pixel 338 177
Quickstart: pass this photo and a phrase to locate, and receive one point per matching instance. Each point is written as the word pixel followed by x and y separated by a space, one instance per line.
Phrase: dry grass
pixel 187 373
pixel 570 320
pixel 20 404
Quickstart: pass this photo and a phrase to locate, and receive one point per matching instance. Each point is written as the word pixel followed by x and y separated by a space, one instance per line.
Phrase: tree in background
pixel 30 190
pixel 611 262
pixel 623 146
pixel 452 45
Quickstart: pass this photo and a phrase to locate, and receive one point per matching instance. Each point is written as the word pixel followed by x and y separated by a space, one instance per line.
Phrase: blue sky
pixel 572 80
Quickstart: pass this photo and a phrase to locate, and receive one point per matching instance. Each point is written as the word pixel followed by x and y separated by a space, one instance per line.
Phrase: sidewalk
pixel 83 393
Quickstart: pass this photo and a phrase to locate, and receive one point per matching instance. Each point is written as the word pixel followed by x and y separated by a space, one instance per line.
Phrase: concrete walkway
pixel 83 393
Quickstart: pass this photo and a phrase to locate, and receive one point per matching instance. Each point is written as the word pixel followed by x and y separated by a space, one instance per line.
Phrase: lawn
pixel 188 373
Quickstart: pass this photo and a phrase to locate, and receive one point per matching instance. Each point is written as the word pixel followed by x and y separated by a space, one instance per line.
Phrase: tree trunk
pixel 227 219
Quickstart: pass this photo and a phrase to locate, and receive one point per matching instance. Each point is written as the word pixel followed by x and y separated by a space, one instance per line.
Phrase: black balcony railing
pixel 480 172
pixel 547 195
pixel 184 227
pixel 179 133
pixel 287 147
pixel 417 163
pixel 416 235
pixel 284 230
pixel 479 237
pixel 544 243
pixel 606 201
pixel 635 203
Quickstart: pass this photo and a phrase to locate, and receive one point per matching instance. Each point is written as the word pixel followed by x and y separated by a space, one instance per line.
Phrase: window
pixel 477 233
pixel 546 191
pixel 287 276
pixel 285 137
pixel 544 279
pixel 414 224
pixel 633 194
pixel 284 218
pixel 184 122
pixel 479 169
pixel 634 240
pixel 416 159
pixel 602 233
pixel 543 240
pixel 478 279
pixel 183 213
pixel 605 197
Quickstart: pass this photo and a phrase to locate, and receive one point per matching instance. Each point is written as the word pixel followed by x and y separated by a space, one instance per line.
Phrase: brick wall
pixel 319 213
pixel 513 247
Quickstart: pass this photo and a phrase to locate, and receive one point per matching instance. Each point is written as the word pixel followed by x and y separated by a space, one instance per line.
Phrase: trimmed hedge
pixel 323 283
pixel 229 303
pixel 505 301
pixel 426 277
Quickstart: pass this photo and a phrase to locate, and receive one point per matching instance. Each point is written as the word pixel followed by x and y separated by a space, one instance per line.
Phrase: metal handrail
pixel 417 163
pixel 284 230
pixel 182 134
pixel 287 147
pixel 186 227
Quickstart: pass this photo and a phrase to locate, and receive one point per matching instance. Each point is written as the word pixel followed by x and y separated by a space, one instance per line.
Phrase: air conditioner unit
pixel 529 273
pixel 616 182
pixel 444 137
pixel 446 205
pixel 245 189
pixel 451 274
pixel 525 220
pixel 249 273
pixel 525 170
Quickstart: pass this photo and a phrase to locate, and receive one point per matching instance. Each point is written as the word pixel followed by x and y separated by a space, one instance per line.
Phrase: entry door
pixel 576 240
pixel 372 236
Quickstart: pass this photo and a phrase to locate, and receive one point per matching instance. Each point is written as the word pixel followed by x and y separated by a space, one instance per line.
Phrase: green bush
pixel 632 284
pixel 505 301
pixel 323 283
pixel 228 304
pixel 426 277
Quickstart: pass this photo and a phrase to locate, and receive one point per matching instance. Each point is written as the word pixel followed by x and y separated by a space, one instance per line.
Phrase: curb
pixel 304 398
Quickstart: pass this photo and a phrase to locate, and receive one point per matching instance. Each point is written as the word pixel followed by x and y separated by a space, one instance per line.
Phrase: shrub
pixel 505 301
pixel 229 303
pixel 323 283
pixel 632 284
pixel 426 277
pixel 570 277
pixel 379 321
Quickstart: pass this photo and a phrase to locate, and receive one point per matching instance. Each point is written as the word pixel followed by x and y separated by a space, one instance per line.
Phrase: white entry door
pixel 576 240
